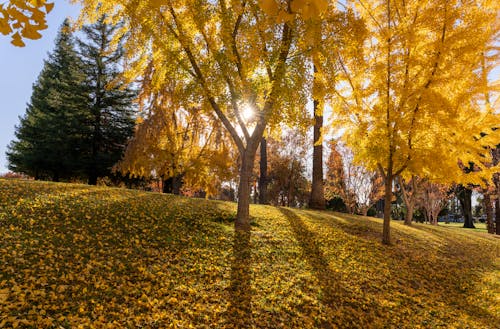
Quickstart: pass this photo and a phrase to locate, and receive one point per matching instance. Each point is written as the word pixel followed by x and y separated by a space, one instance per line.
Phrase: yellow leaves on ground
pixel 24 19
pixel 73 255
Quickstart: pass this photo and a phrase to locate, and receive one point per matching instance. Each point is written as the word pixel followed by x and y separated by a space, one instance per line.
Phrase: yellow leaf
pixel 4 295
pixel 30 32
pixel 4 27
pixel 17 40
pixel 49 7
pixel 270 7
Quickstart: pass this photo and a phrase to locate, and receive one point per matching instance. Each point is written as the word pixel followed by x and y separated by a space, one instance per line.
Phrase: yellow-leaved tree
pixel 411 94
pixel 24 19
pixel 234 55
pixel 177 141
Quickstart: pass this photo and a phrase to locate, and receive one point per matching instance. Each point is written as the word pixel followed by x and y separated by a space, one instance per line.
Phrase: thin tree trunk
pixel 177 184
pixel 435 217
pixel 388 177
pixel 290 186
pixel 263 172
pixel 409 200
pixel 167 185
pixel 92 180
pixel 465 198
pixel 243 215
pixel 488 208
pixel 173 184
pixel 255 193
pixel 409 214
pixel 386 234
pixel 317 199
pixel 497 215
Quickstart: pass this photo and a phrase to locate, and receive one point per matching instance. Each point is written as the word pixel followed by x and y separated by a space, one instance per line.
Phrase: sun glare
pixel 248 112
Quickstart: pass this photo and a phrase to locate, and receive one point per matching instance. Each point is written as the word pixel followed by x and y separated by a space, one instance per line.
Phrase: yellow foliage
pixel 412 94
pixel 24 19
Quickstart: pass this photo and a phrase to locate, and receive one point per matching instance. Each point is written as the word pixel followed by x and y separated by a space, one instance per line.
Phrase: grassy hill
pixel 73 255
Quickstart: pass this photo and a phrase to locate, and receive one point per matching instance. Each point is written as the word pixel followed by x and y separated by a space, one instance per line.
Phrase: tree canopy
pixel 411 95
pixel 232 54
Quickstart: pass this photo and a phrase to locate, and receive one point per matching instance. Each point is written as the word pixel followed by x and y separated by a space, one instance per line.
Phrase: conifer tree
pixel 111 113
pixel 49 137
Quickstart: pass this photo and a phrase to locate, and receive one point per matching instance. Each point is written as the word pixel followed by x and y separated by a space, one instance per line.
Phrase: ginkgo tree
pixel 177 142
pixel 24 19
pixel 410 95
pixel 238 54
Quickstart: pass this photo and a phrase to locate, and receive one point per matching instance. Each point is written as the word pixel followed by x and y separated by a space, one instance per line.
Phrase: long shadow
pixel 239 314
pixel 334 296
pixel 463 271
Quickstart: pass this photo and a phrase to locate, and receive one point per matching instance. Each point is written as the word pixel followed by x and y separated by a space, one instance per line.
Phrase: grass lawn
pixel 79 256
pixel 480 227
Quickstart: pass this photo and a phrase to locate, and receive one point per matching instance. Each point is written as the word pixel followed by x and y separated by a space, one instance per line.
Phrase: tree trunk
pixel 92 178
pixel 364 211
pixel 317 199
pixel 263 172
pixel 255 193
pixel 243 215
pixel 167 185
pixel 465 198
pixel 386 233
pixel 177 184
pixel 173 184
pixel 497 215
pixel 409 214
pixel 408 199
pixel 290 186
pixel 488 209
pixel 434 219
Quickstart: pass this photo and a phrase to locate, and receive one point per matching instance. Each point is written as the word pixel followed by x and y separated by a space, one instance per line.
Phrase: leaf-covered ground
pixel 78 256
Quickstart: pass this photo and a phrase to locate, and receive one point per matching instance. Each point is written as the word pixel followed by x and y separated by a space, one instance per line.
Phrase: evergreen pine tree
pixel 111 110
pixel 49 137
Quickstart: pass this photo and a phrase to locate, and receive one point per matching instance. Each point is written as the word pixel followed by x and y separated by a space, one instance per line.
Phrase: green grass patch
pixel 73 255
pixel 480 227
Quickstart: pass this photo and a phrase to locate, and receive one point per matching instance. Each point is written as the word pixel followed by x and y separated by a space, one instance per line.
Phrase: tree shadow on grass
pixel 334 295
pixel 239 313
pixel 453 272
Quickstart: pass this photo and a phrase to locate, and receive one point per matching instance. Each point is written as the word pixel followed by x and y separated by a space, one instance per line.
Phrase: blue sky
pixel 19 69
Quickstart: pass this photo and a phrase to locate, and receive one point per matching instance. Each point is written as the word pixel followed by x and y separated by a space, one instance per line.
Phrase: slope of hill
pixel 73 255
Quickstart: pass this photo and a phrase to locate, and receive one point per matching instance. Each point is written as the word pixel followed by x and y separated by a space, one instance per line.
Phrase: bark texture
pixel 243 216
pixel 386 234
pixel 263 172
pixel 465 198
pixel 317 199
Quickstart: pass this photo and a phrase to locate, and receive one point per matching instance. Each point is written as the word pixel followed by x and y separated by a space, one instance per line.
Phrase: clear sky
pixel 19 69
